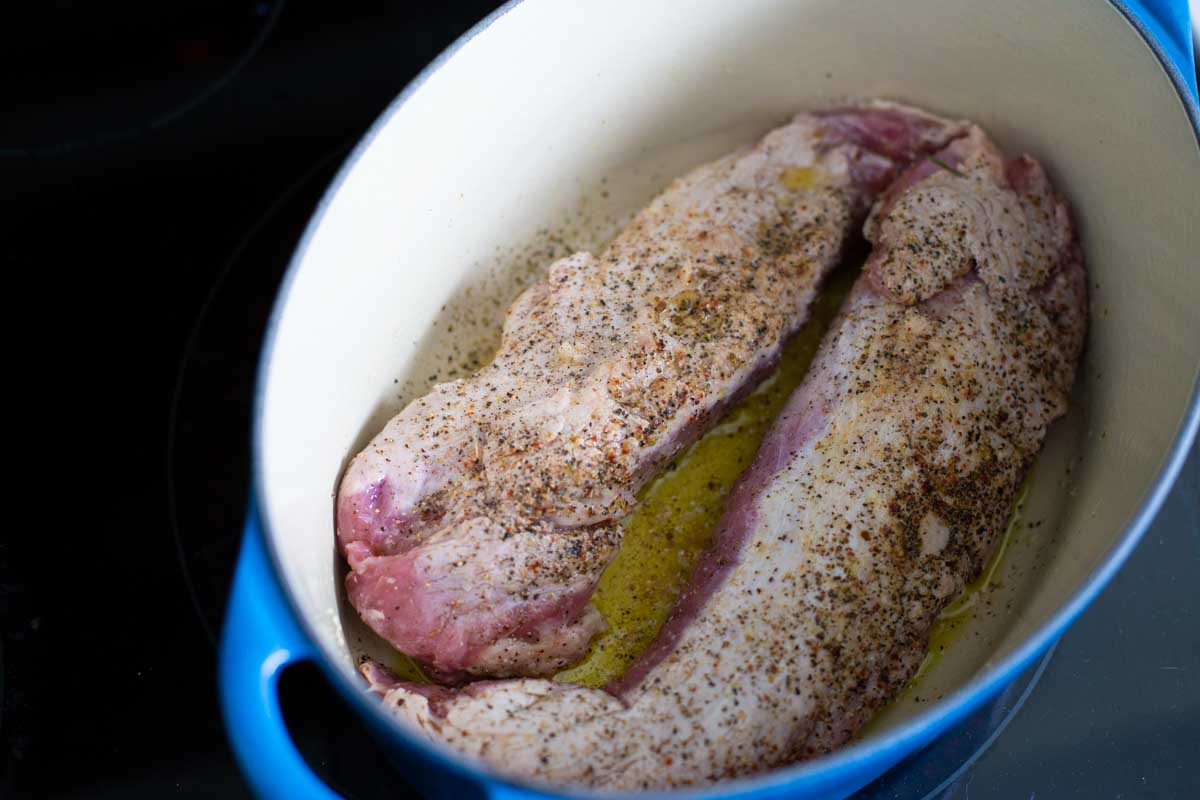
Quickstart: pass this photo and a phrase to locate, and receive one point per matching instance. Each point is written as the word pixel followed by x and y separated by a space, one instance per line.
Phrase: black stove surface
pixel 159 165
pixel 163 159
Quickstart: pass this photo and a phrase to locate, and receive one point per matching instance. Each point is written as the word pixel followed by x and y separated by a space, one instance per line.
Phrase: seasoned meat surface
pixel 478 522
pixel 878 493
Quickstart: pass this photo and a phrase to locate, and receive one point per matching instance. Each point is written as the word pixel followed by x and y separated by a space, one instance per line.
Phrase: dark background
pixel 158 161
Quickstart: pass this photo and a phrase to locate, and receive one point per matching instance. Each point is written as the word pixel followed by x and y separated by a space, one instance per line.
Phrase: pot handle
pixel 1167 25
pixel 259 640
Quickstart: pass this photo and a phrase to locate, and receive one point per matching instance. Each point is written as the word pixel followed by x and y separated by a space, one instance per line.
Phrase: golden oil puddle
pixel 407 670
pixel 677 514
pixel 799 178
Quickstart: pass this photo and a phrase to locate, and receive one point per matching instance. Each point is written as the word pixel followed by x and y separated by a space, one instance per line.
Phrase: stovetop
pixel 159 165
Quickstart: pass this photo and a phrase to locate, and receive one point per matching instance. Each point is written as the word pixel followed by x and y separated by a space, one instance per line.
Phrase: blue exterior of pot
pixel 262 636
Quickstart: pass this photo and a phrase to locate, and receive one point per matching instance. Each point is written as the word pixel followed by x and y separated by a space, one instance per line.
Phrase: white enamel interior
pixel 516 131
